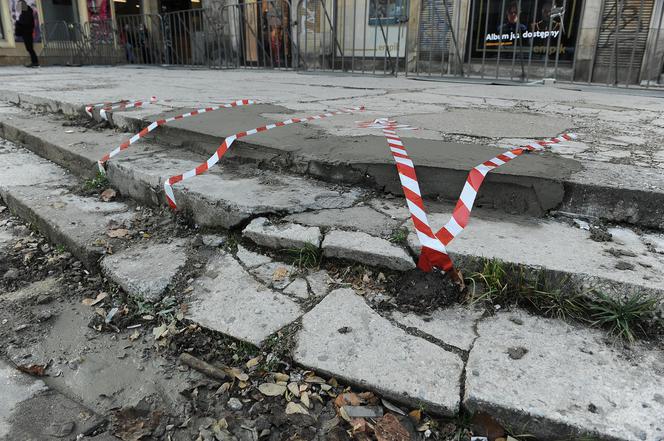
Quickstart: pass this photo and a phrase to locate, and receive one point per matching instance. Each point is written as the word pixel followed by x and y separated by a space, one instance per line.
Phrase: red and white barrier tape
pixel 122 105
pixel 125 145
pixel 228 142
pixel 433 253
pixel 464 205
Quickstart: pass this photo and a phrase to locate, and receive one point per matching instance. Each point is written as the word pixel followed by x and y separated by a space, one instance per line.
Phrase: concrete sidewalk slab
pixel 346 339
pixel 553 381
pixel 229 300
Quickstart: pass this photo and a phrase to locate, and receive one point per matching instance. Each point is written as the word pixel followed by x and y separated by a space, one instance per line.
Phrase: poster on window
pixel 387 11
pixel 99 17
pixel 530 29
pixel 15 11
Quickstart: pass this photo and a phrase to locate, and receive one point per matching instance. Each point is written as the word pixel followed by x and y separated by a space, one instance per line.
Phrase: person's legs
pixel 29 46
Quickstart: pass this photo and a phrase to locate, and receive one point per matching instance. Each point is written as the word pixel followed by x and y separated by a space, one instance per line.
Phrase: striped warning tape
pixel 433 253
pixel 464 205
pixel 111 106
pixel 125 145
pixel 228 142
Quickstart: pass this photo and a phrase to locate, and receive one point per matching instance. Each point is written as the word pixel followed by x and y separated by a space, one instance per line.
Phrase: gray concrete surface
pixel 619 129
pixel 367 249
pixel 360 218
pixel 346 339
pixel 568 382
pixel 281 236
pixel 146 271
pixel 250 259
pixel 559 248
pixel 453 326
pixel 31 411
pixel 229 300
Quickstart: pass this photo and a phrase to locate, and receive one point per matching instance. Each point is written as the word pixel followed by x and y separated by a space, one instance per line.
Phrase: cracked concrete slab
pixel 359 218
pixel 281 236
pixel 229 300
pixel 453 326
pixel 364 248
pixel 556 247
pixel 554 380
pixel 346 339
pixel 319 282
pixel 145 271
pixel 277 275
pixel 250 259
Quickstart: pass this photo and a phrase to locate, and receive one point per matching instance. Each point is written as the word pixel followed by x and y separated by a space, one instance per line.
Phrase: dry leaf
pixel 347 398
pixel 92 302
pixel 293 408
pixel 134 336
pixel 108 195
pixel 333 382
pixel 415 415
pixel 253 362
pixel 278 376
pixel 280 274
pixel 292 387
pixel 237 373
pixel 305 400
pixel 223 388
pixel 272 389
pixel 343 414
pixel 242 384
pixel 392 407
pixel 358 425
pixel 160 331
pixel 389 428
pixel 118 233
pixel 36 370
pixel 315 379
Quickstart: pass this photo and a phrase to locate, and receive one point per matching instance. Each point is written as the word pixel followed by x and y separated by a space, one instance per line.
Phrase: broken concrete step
pixel 346 339
pixel 38 192
pixel 230 300
pixel 226 196
pixel 556 381
pixel 533 184
pixel 145 271
pixel 625 265
pixel 367 249
pixel 282 236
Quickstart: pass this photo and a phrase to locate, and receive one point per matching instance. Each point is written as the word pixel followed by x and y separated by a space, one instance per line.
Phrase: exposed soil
pixel 422 292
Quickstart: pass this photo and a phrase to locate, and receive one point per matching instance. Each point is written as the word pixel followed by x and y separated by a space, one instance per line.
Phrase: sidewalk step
pixel 231 195
pixel 533 184
pixel 413 359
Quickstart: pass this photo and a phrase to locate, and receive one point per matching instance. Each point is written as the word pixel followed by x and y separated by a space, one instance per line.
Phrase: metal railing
pixel 518 40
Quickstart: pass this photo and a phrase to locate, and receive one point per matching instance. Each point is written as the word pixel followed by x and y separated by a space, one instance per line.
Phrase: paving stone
pixel 394 208
pixel 361 218
pixel 373 353
pixel 213 240
pixel 363 248
pixel 275 274
pixel 229 300
pixel 146 271
pixel 281 236
pixel 298 288
pixel 250 259
pixel 319 282
pixel 453 326
pixel 554 380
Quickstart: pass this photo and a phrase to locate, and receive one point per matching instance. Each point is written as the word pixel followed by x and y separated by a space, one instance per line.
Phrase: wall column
pixel 586 44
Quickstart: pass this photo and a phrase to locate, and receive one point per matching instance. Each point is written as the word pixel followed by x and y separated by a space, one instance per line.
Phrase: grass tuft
pixel 399 236
pixel 309 256
pixel 623 317
pixel 99 182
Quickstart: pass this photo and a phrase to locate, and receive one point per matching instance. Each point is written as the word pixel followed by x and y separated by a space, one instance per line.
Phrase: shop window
pixel 387 12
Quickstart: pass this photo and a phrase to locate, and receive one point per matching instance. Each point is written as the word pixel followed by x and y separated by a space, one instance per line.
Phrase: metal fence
pixel 519 40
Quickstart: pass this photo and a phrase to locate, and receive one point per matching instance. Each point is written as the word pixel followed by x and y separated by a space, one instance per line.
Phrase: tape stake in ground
pixel 433 254
pixel 461 213
pixel 228 142
pixel 125 145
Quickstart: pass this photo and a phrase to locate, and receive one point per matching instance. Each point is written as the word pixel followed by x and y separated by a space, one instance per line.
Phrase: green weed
pixel 99 182
pixel 309 256
pixel 623 317
pixel 399 236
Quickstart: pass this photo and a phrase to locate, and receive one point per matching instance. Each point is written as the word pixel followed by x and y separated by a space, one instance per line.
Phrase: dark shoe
pixel 32 65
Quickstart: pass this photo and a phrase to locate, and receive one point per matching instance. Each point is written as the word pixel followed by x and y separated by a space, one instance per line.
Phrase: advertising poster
pixel 99 10
pixel 533 29
pixel 15 11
